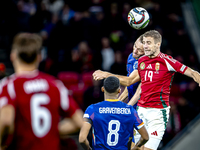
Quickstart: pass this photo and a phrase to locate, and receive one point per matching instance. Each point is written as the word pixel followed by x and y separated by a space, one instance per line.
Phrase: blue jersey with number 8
pixel 112 124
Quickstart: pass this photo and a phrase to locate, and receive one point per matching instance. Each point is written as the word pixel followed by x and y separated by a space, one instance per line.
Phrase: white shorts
pixel 155 120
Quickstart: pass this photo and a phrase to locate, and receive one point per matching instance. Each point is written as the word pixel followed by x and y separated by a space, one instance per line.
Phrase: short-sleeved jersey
pixel 132 64
pixel 39 101
pixel 112 122
pixel 156 76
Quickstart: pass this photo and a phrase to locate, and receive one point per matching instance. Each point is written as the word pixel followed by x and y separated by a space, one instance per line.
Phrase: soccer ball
pixel 138 18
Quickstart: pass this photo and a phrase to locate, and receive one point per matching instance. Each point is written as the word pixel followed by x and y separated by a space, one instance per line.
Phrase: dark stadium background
pixel 73 31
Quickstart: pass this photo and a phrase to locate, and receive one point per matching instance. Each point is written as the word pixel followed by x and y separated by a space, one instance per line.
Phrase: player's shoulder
pixel 163 55
pixel 131 59
pixel 53 81
pixel 130 56
pixel 90 108
pixel 8 79
pixel 166 57
pixel 39 80
pixel 142 58
pixel 3 83
pixel 47 76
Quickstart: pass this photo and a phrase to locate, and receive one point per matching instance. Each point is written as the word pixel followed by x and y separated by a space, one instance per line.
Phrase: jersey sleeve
pixel 138 122
pixel 89 114
pixel 175 65
pixel 5 98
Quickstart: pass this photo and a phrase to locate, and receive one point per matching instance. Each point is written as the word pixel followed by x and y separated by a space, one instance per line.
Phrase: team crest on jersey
pixel 142 65
pixel 157 67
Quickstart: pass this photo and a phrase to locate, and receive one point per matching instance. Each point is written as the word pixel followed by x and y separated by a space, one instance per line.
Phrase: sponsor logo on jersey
pixel 154 133
pixel 142 65
pixel 157 66
pixel 149 66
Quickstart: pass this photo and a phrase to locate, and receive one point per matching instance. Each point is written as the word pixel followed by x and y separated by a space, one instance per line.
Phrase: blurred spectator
pixel 93 94
pixel 126 9
pixel 84 35
pixel 66 14
pixel 108 55
pixel 23 17
pixel 76 62
pixel 86 57
pixel 119 66
pixel 54 6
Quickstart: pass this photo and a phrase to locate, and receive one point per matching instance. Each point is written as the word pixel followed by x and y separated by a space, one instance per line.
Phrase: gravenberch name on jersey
pixel 114 110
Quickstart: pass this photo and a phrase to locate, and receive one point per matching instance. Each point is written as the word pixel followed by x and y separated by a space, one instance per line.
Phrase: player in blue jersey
pixel 132 65
pixel 112 122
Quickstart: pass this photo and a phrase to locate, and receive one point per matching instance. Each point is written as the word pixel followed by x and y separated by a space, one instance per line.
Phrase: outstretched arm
pixel 136 96
pixel 124 80
pixel 193 74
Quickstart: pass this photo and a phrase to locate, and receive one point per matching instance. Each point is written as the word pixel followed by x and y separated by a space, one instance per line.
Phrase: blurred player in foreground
pixel 156 71
pixel 31 102
pixel 112 121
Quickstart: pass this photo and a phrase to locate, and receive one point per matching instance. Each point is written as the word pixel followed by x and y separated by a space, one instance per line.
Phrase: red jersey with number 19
pixel 39 101
pixel 156 76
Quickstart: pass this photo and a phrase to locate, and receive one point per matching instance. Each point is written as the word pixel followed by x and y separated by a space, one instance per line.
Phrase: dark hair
pixel 27 45
pixel 154 34
pixel 111 84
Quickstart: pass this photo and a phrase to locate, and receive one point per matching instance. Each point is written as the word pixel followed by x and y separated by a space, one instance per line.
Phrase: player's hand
pixel 99 75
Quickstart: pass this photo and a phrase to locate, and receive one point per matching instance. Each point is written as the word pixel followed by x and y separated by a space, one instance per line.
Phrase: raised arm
pixel 124 95
pixel 124 80
pixel 193 74
pixel 136 96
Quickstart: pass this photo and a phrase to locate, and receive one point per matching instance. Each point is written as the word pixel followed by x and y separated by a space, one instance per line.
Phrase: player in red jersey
pixel 32 103
pixel 156 71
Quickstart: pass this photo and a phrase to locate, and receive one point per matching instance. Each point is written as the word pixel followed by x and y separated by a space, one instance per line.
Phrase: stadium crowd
pixel 82 36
